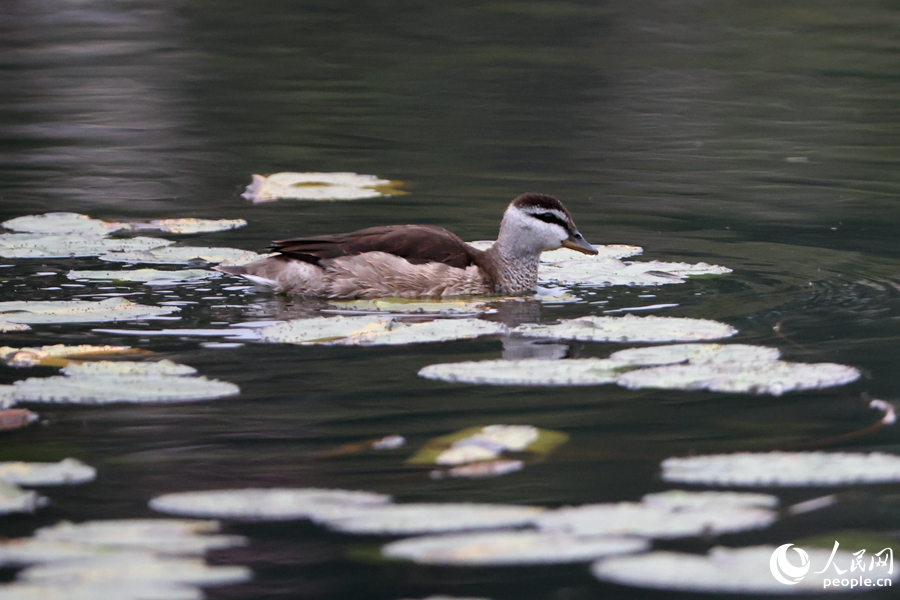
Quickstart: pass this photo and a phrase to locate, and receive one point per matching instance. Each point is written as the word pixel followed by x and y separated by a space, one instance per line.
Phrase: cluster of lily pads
pixel 15 475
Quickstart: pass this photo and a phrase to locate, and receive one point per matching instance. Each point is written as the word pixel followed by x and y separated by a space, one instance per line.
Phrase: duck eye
pixel 548 217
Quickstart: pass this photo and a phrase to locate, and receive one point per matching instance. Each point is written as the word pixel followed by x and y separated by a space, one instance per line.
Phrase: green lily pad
pixel 78 311
pixel 694 353
pixel 784 469
pixel 255 504
pixel 677 500
pixel 727 571
pixel 629 328
pixel 773 377
pixel 57 355
pixel 179 255
pixel 318 186
pixel 144 275
pixel 374 331
pixel 406 306
pixel 14 499
pixel 69 471
pixel 61 223
pixel 485 443
pixel 591 271
pixel 31 245
pixel 503 548
pixel 530 371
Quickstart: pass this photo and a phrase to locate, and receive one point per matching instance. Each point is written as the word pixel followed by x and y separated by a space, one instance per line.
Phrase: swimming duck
pixel 408 261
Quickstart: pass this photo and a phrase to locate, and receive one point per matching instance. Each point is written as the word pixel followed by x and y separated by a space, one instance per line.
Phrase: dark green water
pixel 763 136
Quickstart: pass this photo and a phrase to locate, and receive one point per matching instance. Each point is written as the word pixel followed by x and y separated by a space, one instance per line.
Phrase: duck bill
pixel 579 244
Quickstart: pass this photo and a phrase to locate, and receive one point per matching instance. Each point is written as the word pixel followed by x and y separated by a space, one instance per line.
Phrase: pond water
pixel 760 136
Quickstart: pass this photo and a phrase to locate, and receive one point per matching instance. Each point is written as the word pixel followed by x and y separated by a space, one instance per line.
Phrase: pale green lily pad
pixel 69 471
pixel 773 377
pixel 185 226
pixel 14 499
pixel 404 306
pixel 590 271
pixel 101 590
pixel 694 353
pixel 167 536
pixel 318 186
pixel 783 469
pixel 255 504
pixel 78 311
pixel 31 245
pixel 374 330
pixel 503 548
pixel 144 275
pixel 656 520
pixel 683 500
pixel 410 519
pixel 476 444
pixel 529 371
pixel 728 571
pixel 56 355
pixel 179 255
pixel 6 326
pixel 630 328
pixel 60 223
pixel 107 382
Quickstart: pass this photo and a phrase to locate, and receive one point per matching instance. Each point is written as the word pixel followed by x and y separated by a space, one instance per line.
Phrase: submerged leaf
pixel 57 355
pixel 761 377
pixel 373 330
pixel 508 548
pixel 629 328
pixel 529 371
pixel 318 186
pixel 69 471
pixel 777 469
pixel 274 504
pixel 487 443
pixel 78 311
pixel 144 275
pixel 724 570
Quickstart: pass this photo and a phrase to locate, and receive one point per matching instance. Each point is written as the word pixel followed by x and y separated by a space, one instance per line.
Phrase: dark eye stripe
pixel 548 217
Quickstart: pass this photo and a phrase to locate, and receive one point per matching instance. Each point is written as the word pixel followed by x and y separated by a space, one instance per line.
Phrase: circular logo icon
pixel 783 570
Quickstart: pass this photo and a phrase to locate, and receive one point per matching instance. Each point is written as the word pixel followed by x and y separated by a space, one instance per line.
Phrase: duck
pixel 419 261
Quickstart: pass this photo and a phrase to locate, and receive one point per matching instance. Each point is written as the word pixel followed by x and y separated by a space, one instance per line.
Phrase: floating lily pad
pixel 783 469
pixel 69 471
pixel 373 331
pixel 409 519
pixel 762 377
pixel 586 371
pixel 683 500
pixel 6 326
pixel 144 275
pixel 508 548
pixel 30 245
pixel 596 272
pixel 105 382
pixel 404 306
pixel 180 255
pixel 78 311
pixel 661 521
pixel 275 504
pixel 694 353
pixel 194 225
pixel 724 570
pixel 168 536
pixel 487 443
pixel 61 223
pixel 318 186
pixel 57 355
pixel 14 499
pixel 630 328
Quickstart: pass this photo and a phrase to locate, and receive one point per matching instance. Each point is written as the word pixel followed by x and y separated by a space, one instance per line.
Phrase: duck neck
pixel 515 265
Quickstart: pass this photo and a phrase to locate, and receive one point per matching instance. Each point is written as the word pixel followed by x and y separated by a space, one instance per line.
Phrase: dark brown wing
pixel 416 243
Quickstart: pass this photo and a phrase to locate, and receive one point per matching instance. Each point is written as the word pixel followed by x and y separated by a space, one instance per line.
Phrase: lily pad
pixel 410 519
pixel 57 355
pixel 60 223
pixel 30 245
pixel 784 469
pixel 502 548
pixel 694 353
pixel 596 272
pixel 180 255
pixel 144 275
pixel 683 500
pixel 6 326
pixel 404 306
pixel 761 377
pixel 14 499
pixel 255 504
pixel 486 444
pixel 659 521
pixel 630 328
pixel 724 570
pixel 318 186
pixel 373 331
pixel 106 382
pixel 69 471
pixel 184 226
pixel 586 371
pixel 166 536
pixel 78 311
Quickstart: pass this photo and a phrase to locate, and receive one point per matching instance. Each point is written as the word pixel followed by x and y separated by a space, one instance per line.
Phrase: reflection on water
pixel 760 136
